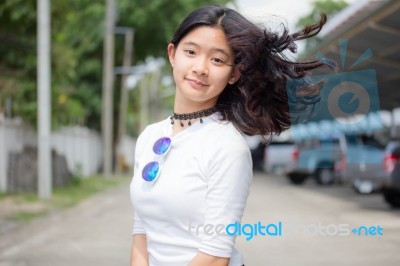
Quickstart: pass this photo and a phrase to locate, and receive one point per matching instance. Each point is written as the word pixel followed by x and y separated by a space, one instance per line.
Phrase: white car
pixel 278 157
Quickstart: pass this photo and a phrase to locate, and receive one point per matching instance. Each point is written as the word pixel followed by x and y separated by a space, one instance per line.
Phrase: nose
pixel 200 67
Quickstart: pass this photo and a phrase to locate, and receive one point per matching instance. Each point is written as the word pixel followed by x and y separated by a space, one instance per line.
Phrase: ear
pixel 171 53
pixel 234 76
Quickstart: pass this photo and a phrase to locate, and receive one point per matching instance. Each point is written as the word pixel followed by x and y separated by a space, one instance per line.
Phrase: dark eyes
pixel 215 60
pixel 189 52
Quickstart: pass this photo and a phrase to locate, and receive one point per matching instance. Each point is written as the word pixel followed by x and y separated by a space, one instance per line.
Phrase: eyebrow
pixel 213 49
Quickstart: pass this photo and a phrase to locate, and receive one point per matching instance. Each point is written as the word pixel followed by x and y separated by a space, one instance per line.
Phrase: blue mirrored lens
pixel 150 171
pixel 162 145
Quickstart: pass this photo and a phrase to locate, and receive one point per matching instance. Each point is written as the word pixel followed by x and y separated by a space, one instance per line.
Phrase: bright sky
pixel 291 10
pixel 274 12
pixel 265 10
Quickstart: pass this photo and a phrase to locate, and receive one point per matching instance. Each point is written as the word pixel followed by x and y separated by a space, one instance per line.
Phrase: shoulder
pixel 224 136
pixel 226 154
pixel 154 127
pixel 151 131
pixel 157 127
pixel 225 132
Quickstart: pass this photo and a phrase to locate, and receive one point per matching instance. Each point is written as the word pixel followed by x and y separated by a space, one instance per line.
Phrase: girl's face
pixel 202 67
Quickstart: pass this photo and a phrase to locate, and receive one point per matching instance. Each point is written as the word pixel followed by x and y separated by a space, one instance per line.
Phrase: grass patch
pixel 78 191
pixel 25 216
pixel 63 197
pixel 28 197
pixel 2 195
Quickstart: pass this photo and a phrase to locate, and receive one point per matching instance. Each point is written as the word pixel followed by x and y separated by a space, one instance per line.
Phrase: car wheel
pixel 296 179
pixel 392 197
pixel 324 176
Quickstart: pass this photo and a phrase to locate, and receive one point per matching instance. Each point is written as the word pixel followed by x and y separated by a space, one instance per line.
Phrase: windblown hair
pixel 258 103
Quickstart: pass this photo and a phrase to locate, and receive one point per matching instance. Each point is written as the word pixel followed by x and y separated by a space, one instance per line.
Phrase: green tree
pixel 329 7
pixel 77 41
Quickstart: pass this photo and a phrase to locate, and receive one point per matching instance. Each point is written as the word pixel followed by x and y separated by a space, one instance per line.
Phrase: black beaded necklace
pixel 189 116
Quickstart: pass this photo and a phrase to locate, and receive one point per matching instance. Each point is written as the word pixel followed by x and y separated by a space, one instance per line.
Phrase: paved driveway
pixel 97 232
pixel 94 233
pixel 317 224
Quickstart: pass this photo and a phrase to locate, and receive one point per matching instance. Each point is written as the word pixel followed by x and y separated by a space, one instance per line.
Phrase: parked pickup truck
pixel 318 158
pixel 278 157
pixel 356 159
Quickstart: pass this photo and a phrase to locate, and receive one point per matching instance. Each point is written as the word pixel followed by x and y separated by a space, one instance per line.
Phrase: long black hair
pixel 258 103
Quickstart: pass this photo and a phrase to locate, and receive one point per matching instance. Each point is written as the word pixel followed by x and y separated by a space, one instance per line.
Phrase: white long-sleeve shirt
pixel 203 186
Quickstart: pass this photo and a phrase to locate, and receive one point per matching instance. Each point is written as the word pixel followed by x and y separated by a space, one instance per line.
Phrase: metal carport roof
pixel 374 25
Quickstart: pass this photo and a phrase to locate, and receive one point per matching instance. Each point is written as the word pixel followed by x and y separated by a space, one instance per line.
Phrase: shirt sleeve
pixel 138 227
pixel 229 178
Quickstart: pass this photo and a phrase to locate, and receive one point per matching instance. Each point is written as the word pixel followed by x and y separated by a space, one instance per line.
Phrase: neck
pixel 182 109
pixel 182 106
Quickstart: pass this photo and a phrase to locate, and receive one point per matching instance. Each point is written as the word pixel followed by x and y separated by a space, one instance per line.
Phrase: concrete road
pixel 317 223
pixel 315 229
pixel 97 232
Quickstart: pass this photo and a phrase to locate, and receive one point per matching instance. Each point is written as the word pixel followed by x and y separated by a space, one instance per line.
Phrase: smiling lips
pixel 196 83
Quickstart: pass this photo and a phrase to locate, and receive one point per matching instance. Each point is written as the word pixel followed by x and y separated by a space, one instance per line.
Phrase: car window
pixel 352 140
pixel 371 141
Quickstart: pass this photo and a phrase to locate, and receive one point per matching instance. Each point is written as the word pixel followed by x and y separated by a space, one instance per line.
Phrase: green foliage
pixel 329 7
pixel 155 21
pixel 77 49
pixel 84 188
pixel 29 206
pixel 25 216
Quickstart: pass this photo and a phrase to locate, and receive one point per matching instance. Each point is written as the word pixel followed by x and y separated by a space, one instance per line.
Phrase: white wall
pixel 126 150
pixel 81 147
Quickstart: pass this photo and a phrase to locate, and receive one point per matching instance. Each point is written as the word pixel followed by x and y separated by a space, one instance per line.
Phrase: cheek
pixel 223 77
pixel 220 86
pixel 181 66
pixel 177 69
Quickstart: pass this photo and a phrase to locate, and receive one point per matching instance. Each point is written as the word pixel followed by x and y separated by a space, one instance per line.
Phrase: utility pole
pixel 108 91
pixel 155 110
pixel 44 100
pixel 127 62
pixel 144 102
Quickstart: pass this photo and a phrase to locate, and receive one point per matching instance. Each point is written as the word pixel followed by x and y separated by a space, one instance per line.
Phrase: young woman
pixel 193 170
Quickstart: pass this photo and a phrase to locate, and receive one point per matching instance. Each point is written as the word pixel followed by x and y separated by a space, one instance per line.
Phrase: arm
pixel 202 259
pixel 229 172
pixel 139 255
